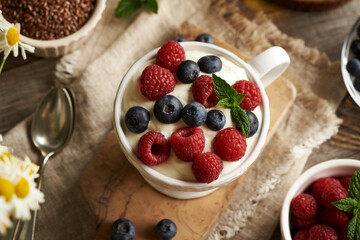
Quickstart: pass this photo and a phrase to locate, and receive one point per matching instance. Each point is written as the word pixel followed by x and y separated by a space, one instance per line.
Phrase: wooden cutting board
pixel 115 189
pixel 311 5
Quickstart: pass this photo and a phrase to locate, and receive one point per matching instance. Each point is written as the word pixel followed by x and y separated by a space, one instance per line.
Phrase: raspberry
pixel 153 148
pixel 332 193
pixel 345 182
pixel 343 232
pixel 304 223
pixel 203 91
pixel 170 55
pixel 252 93
pixel 207 167
pixel 334 218
pixel 301 235
pixel 319 185
pixel 322 232
pixel 304 206
pixel 229 144
pixel 188 142
pixel 156 82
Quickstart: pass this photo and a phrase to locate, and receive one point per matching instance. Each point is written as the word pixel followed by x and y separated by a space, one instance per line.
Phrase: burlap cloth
pixel 115 45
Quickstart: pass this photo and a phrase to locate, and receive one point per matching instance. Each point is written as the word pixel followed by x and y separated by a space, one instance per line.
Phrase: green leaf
pixel 226 103
pixel 151 5
pixel 222 88
pixel 354 188
pixel 127 7
pixel 237 99
pixel 238 115
pixel 353 228
pixel 347 205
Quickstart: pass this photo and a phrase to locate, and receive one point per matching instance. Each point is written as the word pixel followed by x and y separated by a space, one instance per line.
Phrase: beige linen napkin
pixel 254 211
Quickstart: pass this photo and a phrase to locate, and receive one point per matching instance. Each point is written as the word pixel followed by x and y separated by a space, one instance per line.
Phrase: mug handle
pixel 270 64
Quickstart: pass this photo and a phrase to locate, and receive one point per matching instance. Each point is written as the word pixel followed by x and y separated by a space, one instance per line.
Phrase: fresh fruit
pixel 188 143
pixel 156 82
pixel 355 47
pixel 188 71
pixel 302 235
pixel 319 185
pixel 304 223
pixel 137 119
pixel 332 193
pixel 357 83
pixel 254 123
pixel 194 114
pixel 229 144
pixel 334 218
pixel 207 167
pixel 358 31
pixel 123 229
pixel 203 91
pixel 252 93
pixel 215 120
pixel 210 64
pixel 170 55
pixel 345 182
pixel 353 67
pixel 165 229
pixel 167 109
pixel 322 232
pixel 206 38
pixel 180 39
pixel 153 148
pixel 304 206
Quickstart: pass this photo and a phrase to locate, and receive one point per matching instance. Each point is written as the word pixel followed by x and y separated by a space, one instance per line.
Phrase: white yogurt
pixel 175 167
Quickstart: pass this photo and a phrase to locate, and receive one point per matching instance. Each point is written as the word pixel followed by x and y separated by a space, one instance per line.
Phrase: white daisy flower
pixel 5 222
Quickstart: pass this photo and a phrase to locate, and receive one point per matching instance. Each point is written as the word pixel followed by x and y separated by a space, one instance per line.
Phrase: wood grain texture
pixel 115 189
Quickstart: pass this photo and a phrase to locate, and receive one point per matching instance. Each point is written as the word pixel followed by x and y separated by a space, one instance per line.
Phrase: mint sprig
pixel 229 98
pixel 351 204
pixel 127 7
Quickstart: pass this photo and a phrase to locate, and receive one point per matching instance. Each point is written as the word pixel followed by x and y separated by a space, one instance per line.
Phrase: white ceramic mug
pixel 262 69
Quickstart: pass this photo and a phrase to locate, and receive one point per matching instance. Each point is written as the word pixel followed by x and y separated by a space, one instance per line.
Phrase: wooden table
pixel 323 30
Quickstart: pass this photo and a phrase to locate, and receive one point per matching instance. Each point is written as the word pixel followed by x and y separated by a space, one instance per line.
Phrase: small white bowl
pixel 267 65
pixel 68 44
pixel 331 168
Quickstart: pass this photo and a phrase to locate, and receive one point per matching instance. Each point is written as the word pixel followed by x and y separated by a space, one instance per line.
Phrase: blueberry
pixel 188 71
pixel 137 119
pixel 254 123
pixel 206 38
pixel 215 120
pixel 194 114
pixel 357 83
pixel 353 67
pixel 358 31
pixel 166 229
pixel 123 229
pixel 210 64
pixel 168 109
pixel 355 47
pixel 180 39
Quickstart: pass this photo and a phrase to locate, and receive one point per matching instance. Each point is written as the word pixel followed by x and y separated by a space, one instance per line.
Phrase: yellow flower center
pixel 4 154
pixel 6 189
pixel 22 188
pixel 12 36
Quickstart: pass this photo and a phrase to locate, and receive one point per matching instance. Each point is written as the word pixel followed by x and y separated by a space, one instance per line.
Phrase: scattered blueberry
pixel 254 123
pixel 355 47
pixel 353 67
pixel 180 39
pixel 194 114
pixel 168 109
pixel 137 119
pixel 188 71
pixel 166 229
pixel 357 83
pixel 123 229
pixel 215 120
pixel 210 64
pixel 206 38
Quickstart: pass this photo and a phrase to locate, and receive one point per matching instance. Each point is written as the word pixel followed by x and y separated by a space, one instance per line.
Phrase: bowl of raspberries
pixel 324 203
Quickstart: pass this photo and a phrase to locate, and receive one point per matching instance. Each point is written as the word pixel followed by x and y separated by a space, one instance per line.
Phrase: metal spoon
pixel 51 128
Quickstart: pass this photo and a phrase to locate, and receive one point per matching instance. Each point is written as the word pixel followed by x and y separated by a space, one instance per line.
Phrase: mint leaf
pixel 353 228
pixel 347 205
pixel 226 103
pixel 237 99
pixel 127 7
pixel 354 188
pixel 239 116
pixel 151 5
pixel 222 88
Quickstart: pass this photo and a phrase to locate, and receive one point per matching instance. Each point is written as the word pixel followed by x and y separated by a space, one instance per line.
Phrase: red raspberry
pixel 334 218
pixel 153 148
pixel 203 91
pixel 252 93
pixel 322 232
pixel 319 185
pixel 156 82
pixel 302 235
pixel 229 144
pixel 170 55
pixel 304 223
pixel 332 193
pixel 343 232
pixel 207 167
pixel 304 206
pixel 345 182
pixel 188 142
